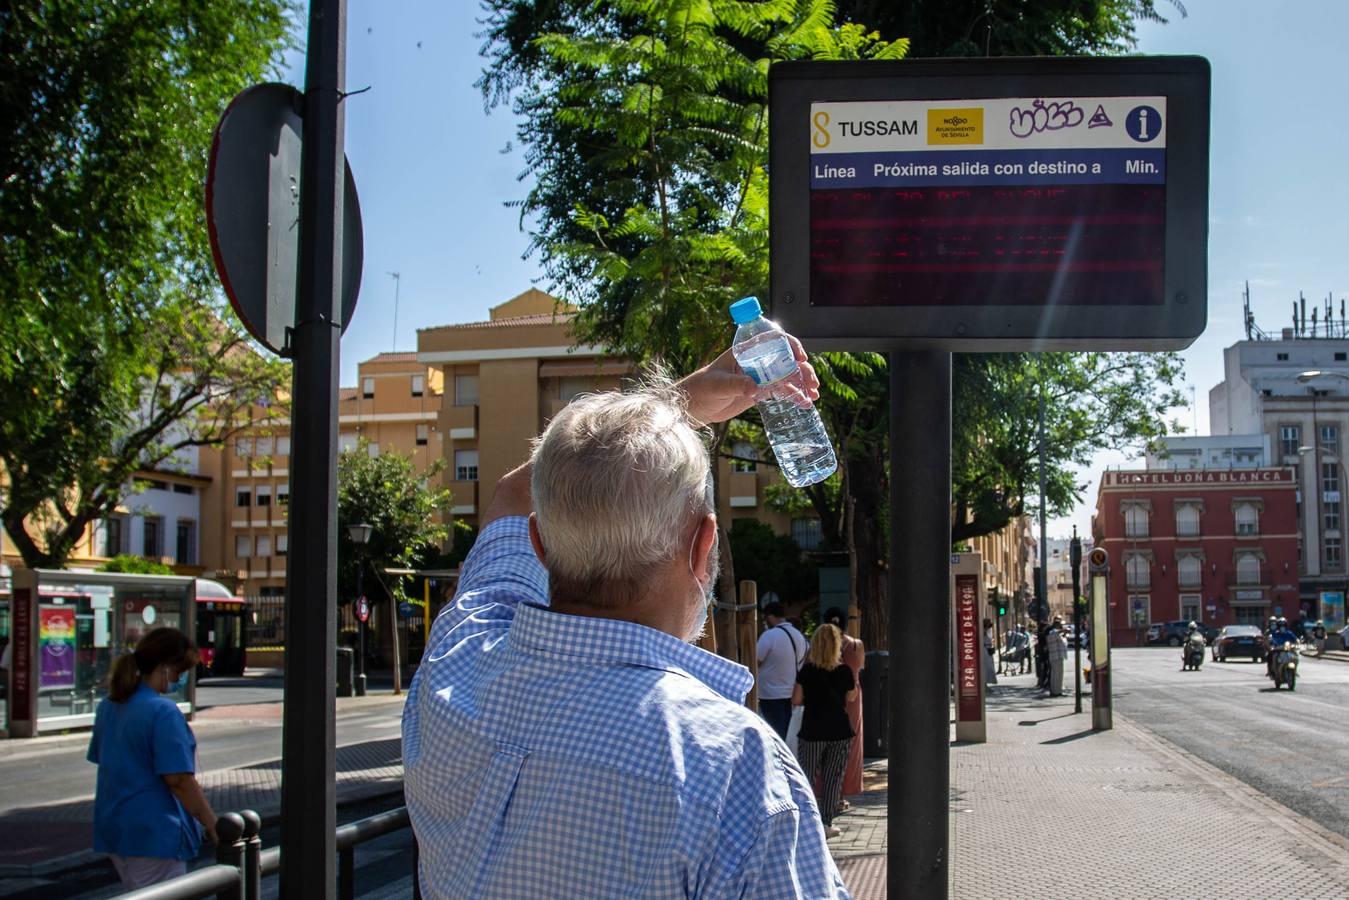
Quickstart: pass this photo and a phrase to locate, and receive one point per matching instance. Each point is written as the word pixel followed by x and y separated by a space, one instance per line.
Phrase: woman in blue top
pixel 148 803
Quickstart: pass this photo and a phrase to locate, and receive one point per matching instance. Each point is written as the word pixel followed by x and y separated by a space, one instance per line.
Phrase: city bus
pixel 221 635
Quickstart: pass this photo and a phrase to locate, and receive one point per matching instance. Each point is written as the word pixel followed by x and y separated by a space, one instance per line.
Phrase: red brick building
pixel 1214 546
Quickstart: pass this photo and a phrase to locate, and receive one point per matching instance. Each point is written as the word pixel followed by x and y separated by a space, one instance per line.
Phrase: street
pixel 1292 746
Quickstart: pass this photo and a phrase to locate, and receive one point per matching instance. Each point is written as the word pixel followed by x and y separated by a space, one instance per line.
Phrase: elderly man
pixel 563 737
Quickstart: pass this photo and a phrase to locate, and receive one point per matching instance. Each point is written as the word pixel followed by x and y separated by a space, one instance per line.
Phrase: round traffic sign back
pixel 363 609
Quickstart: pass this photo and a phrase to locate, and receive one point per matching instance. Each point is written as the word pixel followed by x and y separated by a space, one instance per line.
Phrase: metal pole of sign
pixel 308 774
pixel 919 617
pixel 1075 559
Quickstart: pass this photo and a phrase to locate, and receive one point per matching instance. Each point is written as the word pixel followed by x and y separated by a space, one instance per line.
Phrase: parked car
pixel 1240 640
pixel 1173 634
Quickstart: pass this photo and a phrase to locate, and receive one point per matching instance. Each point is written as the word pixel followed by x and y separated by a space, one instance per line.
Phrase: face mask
pixel 177 687
pixel 708 592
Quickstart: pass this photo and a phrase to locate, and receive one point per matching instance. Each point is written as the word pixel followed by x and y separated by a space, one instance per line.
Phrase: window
pixel 154 484
pixel 1187 520
pixel 282 544
pixel 1248 519
pixel 1249 615
pixel 1248 569
pixel 745 450
pixel 114 535
pixel 1190 571
pixel 153 546
pixel 423 435
pixel 243 546
pixel 264 495
pixel 283 445
pixel 466 465
pixel 572 386
pixel 1334 553
pixel 283 495
pixel 418 385
pixel 1189 607
pixel 466 390
pixel 185 546
pixel 1341 357
pixel 243 446
pixel 264 446
pixel 1331 511
pixel 1281 357
pixel 1140 610
pixel 367 387
pixel 372 449
pixel 1135 521
pixel 1290 438
pixel 1138 571
pixel 243 496
pixel 184 489
pixel 806 533
pixel 264 547
pixel 1330 477
pixel 1330 439
pixel 347 441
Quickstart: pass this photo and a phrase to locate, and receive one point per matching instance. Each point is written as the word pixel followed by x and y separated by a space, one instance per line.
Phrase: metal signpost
pixel 1075 560
pixel 934 206
pixel 295 289
pixel 1099 563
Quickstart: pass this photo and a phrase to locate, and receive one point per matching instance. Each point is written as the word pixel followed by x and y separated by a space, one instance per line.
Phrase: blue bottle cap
pixel 746 310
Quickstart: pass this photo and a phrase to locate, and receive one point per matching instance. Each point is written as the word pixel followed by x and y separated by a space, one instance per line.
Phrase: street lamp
pixel 360 536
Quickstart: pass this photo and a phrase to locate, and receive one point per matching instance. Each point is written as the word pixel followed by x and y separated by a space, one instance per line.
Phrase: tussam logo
pixel 821 137
pixel 956 126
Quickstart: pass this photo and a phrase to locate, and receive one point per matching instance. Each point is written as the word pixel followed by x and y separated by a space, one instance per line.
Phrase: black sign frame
pixel 1171 325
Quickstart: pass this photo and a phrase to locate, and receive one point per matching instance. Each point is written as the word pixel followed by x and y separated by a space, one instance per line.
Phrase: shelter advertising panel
pixel 985 204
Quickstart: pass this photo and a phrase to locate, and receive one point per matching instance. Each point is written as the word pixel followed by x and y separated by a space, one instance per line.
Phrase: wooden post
pixel 747 629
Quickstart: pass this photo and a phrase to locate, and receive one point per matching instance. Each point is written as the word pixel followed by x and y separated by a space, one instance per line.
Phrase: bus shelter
pixel 66 628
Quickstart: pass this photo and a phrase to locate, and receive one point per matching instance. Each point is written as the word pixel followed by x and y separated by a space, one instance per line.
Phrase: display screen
pixel 995 202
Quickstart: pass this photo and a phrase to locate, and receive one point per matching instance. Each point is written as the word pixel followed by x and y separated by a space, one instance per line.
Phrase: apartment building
pixel 1008 558
pixel 506 377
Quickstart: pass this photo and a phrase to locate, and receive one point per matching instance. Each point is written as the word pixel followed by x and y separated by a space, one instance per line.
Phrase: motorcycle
pixel 1285 666
pixel 1192 656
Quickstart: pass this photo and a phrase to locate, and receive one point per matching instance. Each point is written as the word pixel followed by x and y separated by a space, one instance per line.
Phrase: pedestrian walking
pixel 854 657
pixel 564 735
pixel 149 810
pixel 781 650
pixel 990 661
pixel 1025 646
pixel 824 686
pixel 1057 652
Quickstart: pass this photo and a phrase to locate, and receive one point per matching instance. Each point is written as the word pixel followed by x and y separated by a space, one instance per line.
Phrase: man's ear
pixel 535 539
pixel 704 539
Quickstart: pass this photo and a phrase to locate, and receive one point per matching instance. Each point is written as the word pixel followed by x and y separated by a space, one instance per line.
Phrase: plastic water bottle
pixel 796 433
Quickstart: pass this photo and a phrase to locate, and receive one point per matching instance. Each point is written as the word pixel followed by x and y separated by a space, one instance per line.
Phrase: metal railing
pixel 241 863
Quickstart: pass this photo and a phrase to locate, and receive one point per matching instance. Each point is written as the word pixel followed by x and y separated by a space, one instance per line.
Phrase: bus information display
pixel 981 205
pixel 996 201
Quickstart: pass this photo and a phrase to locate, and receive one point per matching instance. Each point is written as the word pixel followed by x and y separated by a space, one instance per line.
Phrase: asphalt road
pixel 1293 746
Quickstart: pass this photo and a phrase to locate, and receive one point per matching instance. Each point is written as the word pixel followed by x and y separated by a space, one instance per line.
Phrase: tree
pixel 773 561
pixel 114 355
pixel 135 565
pixel 405 513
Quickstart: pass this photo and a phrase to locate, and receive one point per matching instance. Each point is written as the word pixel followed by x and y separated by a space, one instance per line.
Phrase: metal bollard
pixel 229 828
pixel 252 855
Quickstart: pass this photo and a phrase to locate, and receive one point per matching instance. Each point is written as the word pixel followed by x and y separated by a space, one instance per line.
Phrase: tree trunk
pixel 866 469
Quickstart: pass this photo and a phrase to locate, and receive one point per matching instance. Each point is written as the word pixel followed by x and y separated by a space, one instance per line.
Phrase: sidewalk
pixel 1048 809
pixel 49 838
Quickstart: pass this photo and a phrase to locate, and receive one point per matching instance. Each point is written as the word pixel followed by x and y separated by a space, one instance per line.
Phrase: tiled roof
pixel 403 356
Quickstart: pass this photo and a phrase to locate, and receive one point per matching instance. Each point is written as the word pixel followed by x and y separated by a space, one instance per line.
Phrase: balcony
pixel 459 423
pixel 463 498
pixel 742 490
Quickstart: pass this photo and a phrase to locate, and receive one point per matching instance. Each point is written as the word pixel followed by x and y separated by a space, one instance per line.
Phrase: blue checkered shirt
pixel 549 755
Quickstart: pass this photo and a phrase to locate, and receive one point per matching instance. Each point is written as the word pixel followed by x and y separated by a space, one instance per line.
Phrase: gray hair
pixel 618 481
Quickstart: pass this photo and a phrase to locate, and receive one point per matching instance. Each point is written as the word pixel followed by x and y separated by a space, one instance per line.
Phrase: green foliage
pixel 135 565
pixel 112 340
pixel 405 515
pixel 773 561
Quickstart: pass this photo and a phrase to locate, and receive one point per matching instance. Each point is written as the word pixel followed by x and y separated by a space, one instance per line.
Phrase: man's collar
pixel 542 631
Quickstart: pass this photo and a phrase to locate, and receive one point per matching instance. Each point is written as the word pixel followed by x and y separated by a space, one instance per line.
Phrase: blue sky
pixel 435 176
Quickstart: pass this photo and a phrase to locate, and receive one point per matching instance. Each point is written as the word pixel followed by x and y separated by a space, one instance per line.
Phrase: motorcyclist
pixel 1194 638
pixel 1319 636
pixel 1281 635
